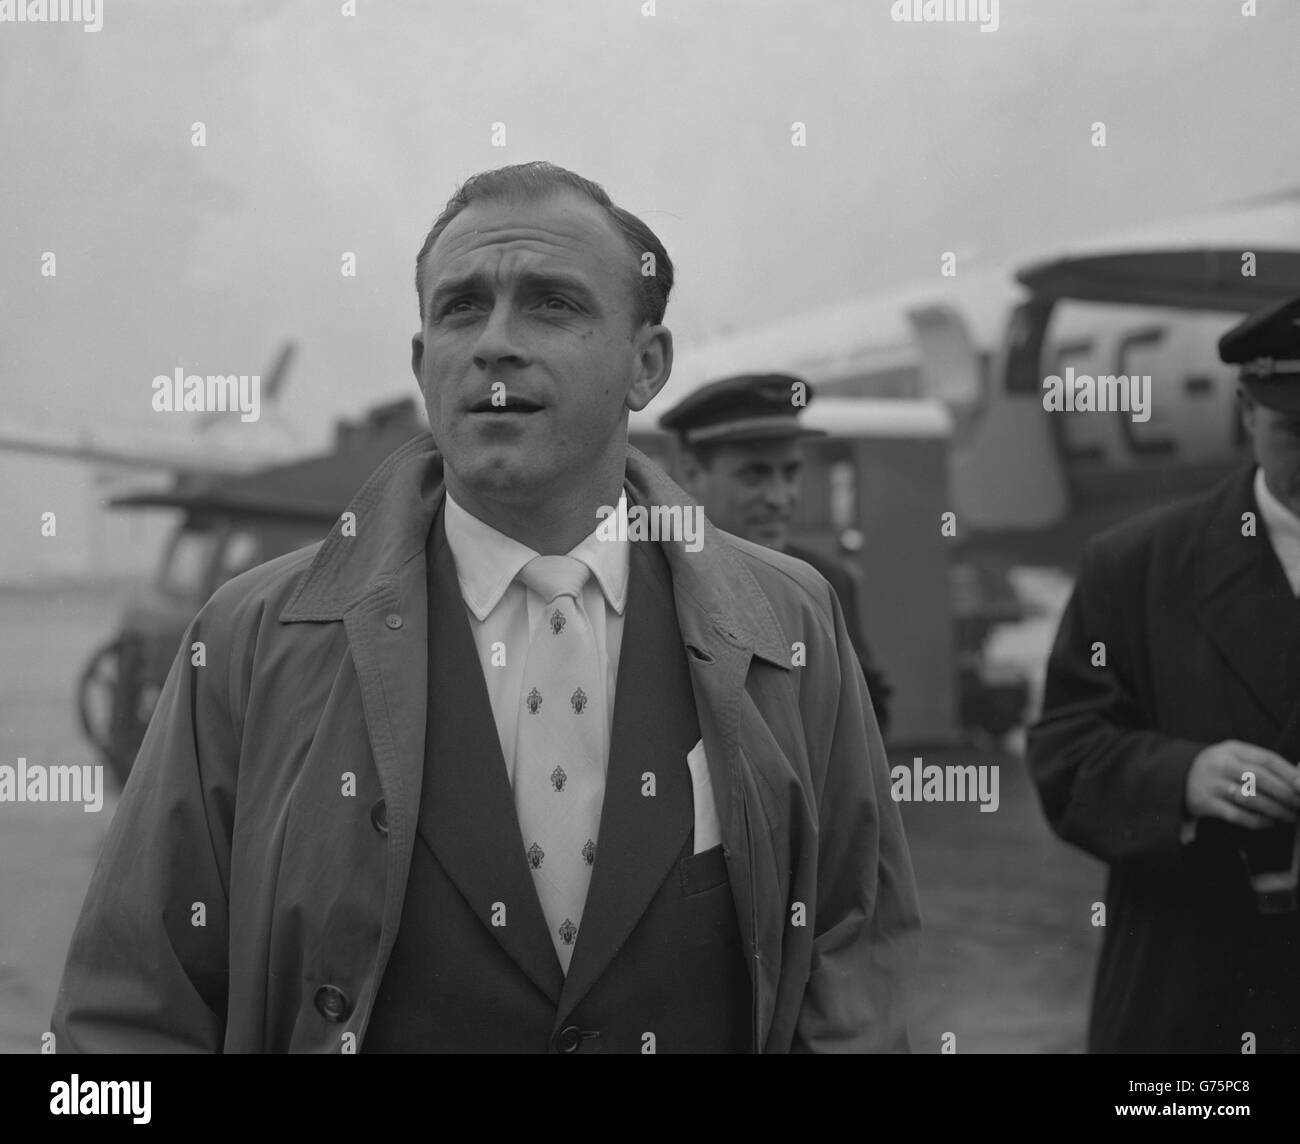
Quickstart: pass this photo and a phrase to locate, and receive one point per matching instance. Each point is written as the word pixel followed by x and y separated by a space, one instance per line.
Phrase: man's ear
pixel 1246 407
pixel 654 364
pixel 417 359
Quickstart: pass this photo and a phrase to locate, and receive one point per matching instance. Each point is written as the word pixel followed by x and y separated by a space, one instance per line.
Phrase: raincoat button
pixel 332 1003
pixel 568 1039
pixel 393 620
pixel 379 817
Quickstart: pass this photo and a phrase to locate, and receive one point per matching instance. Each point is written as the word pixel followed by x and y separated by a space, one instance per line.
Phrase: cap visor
pixel 1280 398
pixel 741 434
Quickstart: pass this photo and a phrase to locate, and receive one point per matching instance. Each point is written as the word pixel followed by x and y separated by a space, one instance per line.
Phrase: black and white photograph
pixel 646 527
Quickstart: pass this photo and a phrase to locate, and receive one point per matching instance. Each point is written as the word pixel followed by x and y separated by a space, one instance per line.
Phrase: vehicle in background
pixel 228 525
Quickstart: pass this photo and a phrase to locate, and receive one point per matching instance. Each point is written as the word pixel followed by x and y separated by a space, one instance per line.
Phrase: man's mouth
pixel 510 405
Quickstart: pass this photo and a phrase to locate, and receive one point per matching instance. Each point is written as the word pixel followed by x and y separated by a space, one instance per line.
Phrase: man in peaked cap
pixel 741 451
pixel 1170 733
pixel 1267 348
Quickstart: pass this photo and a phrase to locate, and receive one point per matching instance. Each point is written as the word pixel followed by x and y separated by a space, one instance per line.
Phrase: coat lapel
pixel 1245 603
pixel 726 621
pixel 718 672
pixel 641 837
pixel 467 814
pixel 365 588
pixel 389 681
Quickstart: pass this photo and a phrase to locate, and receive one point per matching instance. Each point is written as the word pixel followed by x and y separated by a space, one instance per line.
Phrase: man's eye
pixel 555 299
pixel 457 305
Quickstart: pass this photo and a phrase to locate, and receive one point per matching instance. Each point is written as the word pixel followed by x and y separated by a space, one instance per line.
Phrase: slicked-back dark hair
pixel 532 182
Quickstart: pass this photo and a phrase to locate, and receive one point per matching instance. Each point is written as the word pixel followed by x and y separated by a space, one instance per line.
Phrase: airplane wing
pixel 208 449
pixel 1201 278
pixel 107 448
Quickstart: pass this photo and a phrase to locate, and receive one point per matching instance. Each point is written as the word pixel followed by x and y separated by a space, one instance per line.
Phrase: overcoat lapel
pixel 467 813
pixel 1246 605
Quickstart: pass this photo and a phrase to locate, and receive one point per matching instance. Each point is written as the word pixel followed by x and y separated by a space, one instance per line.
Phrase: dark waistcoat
pixel 658 962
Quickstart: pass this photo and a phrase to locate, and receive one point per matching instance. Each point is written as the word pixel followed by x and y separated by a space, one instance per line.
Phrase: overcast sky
pixel 328 133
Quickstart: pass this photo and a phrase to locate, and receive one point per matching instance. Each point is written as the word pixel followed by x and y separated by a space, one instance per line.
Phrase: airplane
pixel 1151 300
pixel 212 445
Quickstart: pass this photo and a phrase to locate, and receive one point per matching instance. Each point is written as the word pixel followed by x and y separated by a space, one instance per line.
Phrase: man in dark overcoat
pixel 1170 733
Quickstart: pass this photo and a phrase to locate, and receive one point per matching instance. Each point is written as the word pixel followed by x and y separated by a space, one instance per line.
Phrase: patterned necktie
pixel 559 753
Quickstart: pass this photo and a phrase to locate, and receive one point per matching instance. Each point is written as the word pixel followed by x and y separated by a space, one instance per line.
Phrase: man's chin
pixel 498 474
pixel 770 537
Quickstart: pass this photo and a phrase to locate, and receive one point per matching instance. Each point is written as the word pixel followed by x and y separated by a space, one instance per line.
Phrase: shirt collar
pixel 1280 520
pixel 487 561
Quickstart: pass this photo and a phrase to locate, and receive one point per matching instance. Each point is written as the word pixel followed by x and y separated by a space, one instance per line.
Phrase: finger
pixel 1257 802
pixel 1276 767
pixel 1258 761
pixel 1252 755
pixel 1262 803
pixel 1268 784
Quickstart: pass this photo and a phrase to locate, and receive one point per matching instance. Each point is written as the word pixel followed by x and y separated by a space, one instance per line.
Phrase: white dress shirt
pixel 503 613
pixel 1283 528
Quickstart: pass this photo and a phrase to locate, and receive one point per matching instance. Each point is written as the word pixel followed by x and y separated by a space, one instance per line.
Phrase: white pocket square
pixel 708 833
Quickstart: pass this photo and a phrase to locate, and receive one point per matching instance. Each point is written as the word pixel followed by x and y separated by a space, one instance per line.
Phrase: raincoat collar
pixel 387 524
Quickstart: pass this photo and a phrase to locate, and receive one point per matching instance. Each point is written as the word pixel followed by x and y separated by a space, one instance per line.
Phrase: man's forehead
pixel 780 451
pixel 561 228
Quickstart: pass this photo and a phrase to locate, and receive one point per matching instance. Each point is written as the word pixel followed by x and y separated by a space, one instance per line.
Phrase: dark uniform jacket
pixel 846 588
pixel 1201 638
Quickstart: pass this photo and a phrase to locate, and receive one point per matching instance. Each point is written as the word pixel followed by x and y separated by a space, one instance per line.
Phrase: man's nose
pixel 498 340
pixel 778 492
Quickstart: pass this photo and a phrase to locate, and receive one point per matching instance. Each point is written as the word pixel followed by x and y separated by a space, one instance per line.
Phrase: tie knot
pixel 552 576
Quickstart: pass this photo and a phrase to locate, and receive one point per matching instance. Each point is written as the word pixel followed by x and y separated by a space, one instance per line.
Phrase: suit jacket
pixel 1201 639
pixel 256 795
pixel 658 948
pixel 846 589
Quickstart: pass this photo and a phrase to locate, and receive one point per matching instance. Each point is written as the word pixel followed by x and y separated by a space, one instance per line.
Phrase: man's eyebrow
pixel 533 280
pixel 557 280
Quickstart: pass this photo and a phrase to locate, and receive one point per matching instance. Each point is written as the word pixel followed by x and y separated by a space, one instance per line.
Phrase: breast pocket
pixel 704 871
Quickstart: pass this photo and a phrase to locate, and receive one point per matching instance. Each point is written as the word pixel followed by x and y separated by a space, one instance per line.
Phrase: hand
pixel 1215 786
